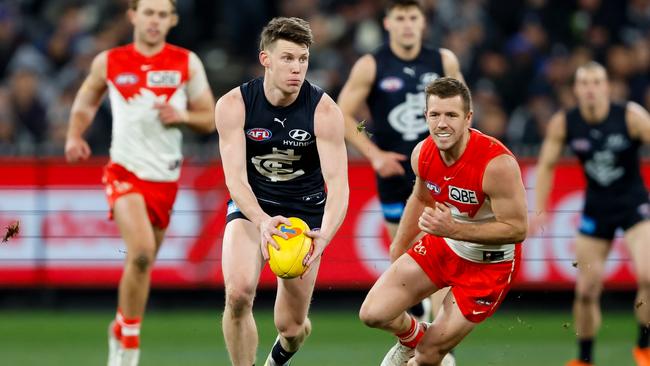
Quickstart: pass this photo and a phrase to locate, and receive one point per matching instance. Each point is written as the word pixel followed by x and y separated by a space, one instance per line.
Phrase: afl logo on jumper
pixel 391 84
pixel 299 135
pixel 462 195
pixel 126 78
pixel 259 134
pixel 163 79
pixel 433 187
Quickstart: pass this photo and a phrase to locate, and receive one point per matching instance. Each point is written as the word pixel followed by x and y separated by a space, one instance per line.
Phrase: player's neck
pixel 405 53
pixel 277 97
pixel 451 155
pixel 148 50
pixel 595 113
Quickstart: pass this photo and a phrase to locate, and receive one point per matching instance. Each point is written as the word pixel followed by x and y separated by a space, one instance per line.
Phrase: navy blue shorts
pixel 393 194
pixel 311 213
pixel 601 218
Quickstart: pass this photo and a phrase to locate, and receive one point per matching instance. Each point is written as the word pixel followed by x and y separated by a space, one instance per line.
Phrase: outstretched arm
pixel 84 108
pixel 329 130
pixel 351 99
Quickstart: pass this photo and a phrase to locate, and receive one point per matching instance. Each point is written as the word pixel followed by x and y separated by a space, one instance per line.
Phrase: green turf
pixel 191 338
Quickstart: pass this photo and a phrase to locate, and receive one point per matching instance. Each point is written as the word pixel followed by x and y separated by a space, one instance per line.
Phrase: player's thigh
pixel 130 214
pixel 294 296
pixel 591 254
pixel 241 259
pixel 637 240
pixel 448 328
pixel 402 285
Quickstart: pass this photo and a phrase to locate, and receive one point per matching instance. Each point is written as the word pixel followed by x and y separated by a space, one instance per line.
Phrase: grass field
pixel 189 338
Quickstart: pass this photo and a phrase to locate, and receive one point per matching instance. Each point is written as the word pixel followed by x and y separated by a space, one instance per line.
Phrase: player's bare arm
pixel 229 119
pixel 451 65
pixel 408 226
pixel 199 114
pixel 329 129
pixel 84 108
pixel 351 99
pixel 550 153
pixel 638 122
pixel 503 185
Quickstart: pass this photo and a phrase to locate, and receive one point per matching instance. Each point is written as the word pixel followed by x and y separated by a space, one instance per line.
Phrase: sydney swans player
pixel 281 140
pixel 154 88
pixel 470 201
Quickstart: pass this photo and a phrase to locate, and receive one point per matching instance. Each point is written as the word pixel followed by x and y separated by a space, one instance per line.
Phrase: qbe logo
pixel 259 134
pixel 462 195
pixel 163 79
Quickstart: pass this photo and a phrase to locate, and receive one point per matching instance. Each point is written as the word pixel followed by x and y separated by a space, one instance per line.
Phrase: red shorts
pixel 158 196
pixel 479 288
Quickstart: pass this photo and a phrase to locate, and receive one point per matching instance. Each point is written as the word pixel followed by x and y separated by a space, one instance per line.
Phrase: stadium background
pixel 57 278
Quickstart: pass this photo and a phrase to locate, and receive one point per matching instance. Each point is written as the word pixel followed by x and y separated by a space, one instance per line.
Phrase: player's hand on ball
pixel 268 228
pixel 319 243
pixel 437 221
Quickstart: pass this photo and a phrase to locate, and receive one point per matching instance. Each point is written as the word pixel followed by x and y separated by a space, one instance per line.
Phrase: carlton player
pixel 606 137
pixel 282 142
pixel 470 201
pixel 154 88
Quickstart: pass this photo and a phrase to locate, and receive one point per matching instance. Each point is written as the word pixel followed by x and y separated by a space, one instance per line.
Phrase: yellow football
pixel 287 262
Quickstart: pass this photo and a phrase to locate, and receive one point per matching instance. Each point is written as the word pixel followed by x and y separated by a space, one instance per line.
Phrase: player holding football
pixel 281 141
pixel 154 89
pixel 606 137
pixel 470 201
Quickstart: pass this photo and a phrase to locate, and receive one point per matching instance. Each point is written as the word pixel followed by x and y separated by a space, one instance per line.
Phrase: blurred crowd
pixel 518 56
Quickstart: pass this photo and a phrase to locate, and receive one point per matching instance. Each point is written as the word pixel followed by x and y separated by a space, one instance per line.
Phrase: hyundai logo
pixel 299 135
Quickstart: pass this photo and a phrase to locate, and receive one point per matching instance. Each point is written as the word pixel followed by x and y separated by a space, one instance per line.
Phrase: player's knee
pixel 239 300
pixel 291 330
pixel 587 296
pixel 143 262
pixel 371 317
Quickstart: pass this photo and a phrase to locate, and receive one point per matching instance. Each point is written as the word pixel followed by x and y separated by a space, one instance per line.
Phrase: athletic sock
pixel 585 349
pixel 412 337
pixel 117 327
pixel 279 354
pixel 644 332
pixel 130 332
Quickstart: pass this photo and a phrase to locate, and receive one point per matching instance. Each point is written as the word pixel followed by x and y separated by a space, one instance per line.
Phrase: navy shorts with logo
pixel 602 217
pixel 309 208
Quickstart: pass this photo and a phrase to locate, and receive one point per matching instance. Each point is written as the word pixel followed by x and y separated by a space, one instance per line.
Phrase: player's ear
pixel 174 20
pixel 264 58
pixel 469 116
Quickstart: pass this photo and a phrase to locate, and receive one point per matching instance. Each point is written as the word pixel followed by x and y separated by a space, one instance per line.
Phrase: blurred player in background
pixel 606 137
pixel 391 82
pixel 154 88
pixel 282 142
pixel 470 201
